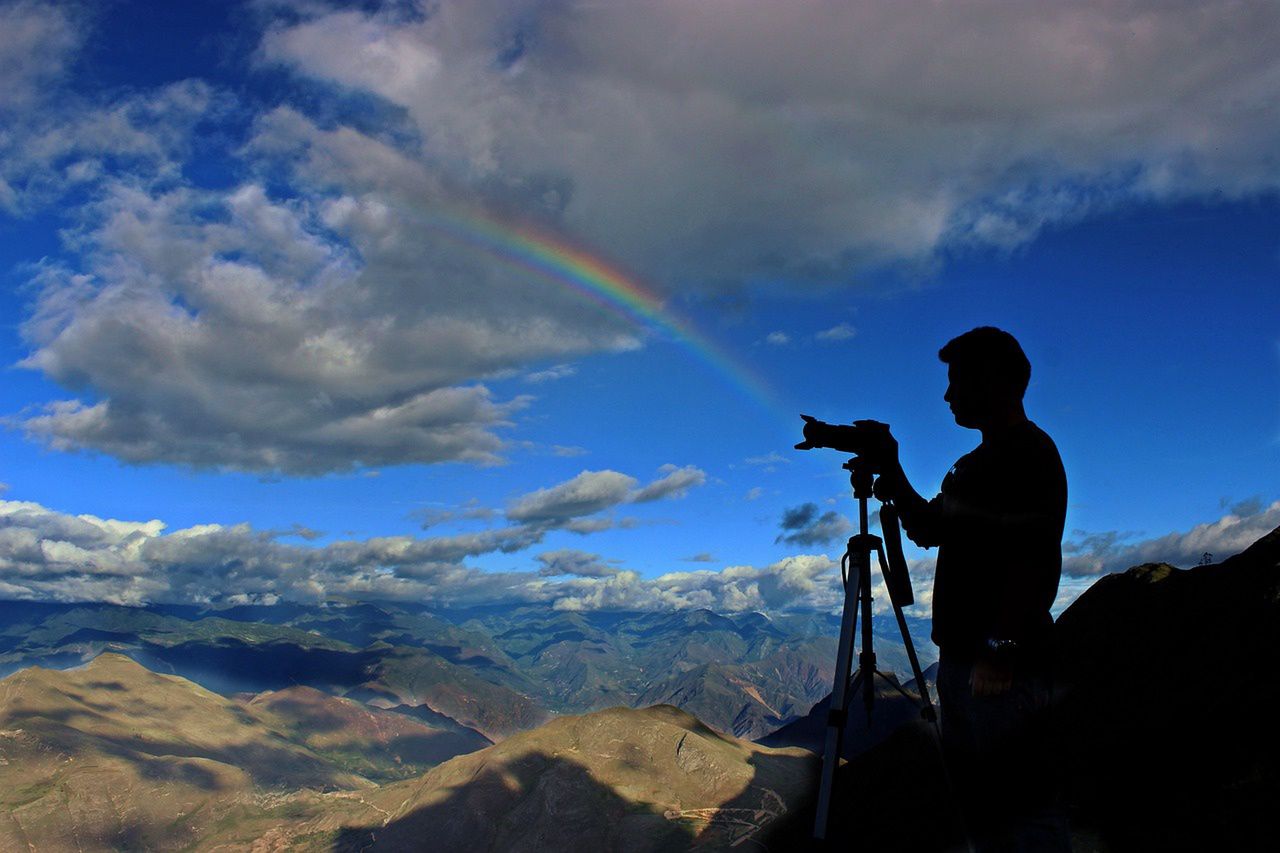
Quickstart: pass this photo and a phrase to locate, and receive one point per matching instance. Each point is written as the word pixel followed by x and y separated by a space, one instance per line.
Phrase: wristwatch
pixel 1002 648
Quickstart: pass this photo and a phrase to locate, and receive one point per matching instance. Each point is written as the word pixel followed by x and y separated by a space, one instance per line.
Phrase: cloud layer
pixel 740 139
pixel 48 555
pixel 340 307
pixel 1112 551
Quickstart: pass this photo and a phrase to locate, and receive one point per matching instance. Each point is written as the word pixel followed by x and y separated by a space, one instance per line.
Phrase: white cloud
pixel 1108 552
pixel 675 483
pixel 48 555
pixel 257 341
pixel 781 139
pixel 777 339
pixel 559 371
pixel 590 492
pixel 569 561
pixel 799 582
pixel 768 461
pixel 587 493
pixel 36 42
pixel 63 143
pixel 351 316
pixel 838 332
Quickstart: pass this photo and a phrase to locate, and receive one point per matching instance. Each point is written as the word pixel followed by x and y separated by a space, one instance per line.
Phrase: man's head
pixel 987 374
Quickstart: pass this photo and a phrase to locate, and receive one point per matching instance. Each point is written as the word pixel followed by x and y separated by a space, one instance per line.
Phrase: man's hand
pixel 878 443
pixel 990 678
pixel 889 484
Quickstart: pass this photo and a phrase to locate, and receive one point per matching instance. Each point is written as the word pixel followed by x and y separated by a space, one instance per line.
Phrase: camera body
pixel 871 439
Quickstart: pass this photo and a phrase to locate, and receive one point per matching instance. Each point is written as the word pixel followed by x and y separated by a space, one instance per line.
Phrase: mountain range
pixel 378 743
pixel 495 671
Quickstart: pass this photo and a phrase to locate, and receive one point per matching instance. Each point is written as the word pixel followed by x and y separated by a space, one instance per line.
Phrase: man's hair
pixel 993 351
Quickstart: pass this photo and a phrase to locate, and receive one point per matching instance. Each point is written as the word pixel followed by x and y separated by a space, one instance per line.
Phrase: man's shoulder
pixel 1033 434
pixel 1030 445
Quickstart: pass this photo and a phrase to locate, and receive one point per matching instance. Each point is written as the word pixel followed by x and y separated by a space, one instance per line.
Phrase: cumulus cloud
pixel 568 561
pixel 777 339
pixel 350 315
pixel 36 43
pixel 789 140
pixel 255 339
pixel 235 329
pixel 587 493
pixel 805 525
pixel 437 515
pixel 1093 554
pixel 675 483
pixel 592 492
pixel 799 582
pixel 48 555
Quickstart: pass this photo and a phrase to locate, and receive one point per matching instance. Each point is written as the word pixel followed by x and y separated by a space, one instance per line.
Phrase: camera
pixel 862 438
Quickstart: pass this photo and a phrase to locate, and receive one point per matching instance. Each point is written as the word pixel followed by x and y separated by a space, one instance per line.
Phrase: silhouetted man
pixel 998 524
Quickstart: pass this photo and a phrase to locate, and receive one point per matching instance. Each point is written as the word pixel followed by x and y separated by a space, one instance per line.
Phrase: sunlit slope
pixel 113 756
pixel 617 779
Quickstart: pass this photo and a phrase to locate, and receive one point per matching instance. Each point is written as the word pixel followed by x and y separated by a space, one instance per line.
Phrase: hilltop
pixel 653 779
pixel 112 756
pixel 115 756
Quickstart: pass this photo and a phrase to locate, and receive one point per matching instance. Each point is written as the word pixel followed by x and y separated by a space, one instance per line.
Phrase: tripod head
pixel 862 475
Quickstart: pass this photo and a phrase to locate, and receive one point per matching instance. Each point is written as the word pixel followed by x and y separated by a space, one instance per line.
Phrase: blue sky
pixel 220 311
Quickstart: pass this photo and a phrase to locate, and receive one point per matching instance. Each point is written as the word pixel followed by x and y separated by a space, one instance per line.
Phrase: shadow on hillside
pixel 233 666
pixel 268 766
pixel 539 802
pixel 892 797
pixel 545 802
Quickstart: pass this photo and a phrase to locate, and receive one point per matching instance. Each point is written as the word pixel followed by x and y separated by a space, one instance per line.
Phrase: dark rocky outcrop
pixel 1171 683
pixel 1167 684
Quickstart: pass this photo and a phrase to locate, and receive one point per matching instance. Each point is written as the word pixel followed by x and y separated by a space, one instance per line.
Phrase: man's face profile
pixel 974 395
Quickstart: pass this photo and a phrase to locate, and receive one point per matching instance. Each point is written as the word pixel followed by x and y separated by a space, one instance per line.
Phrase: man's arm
pixel 922 520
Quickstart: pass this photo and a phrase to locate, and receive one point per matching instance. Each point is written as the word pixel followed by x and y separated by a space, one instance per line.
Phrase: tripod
pixel 855 570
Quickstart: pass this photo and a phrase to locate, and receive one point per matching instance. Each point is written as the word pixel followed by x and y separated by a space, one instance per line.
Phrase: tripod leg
pixel 867 654
pixel 927 711
pixel 856 561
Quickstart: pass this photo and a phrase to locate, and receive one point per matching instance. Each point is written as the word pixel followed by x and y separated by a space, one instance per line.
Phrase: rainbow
pixel 553 259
